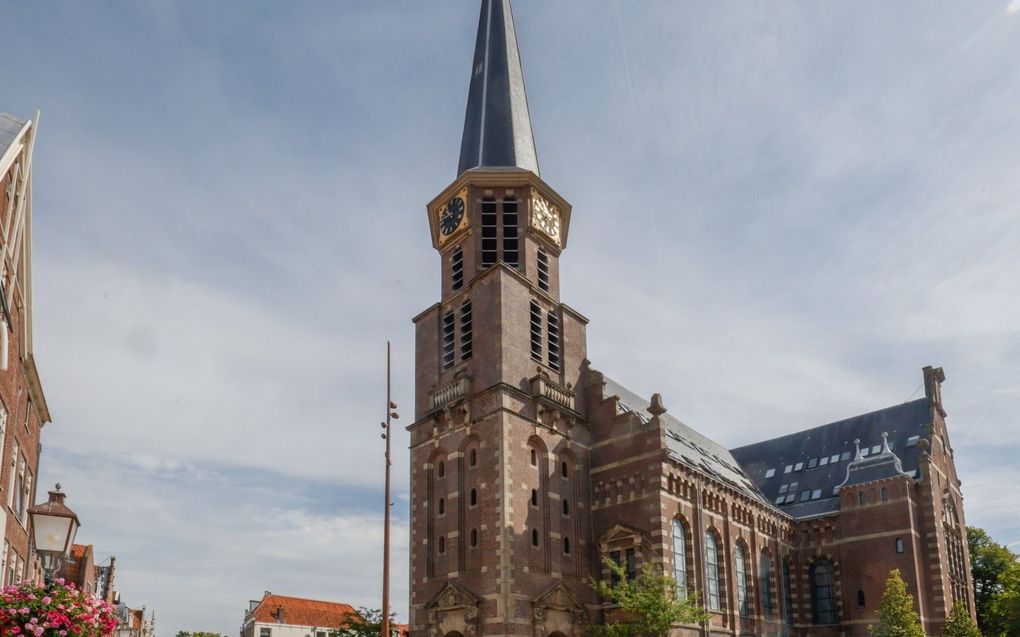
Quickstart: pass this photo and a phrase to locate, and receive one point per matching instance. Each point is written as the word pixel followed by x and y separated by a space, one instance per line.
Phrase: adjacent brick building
pixel 23 410
pixel 529 464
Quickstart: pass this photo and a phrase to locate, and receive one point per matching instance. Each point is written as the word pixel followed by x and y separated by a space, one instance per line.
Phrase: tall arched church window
pixel 954 553
pixel 741 560
pixel 787 593
pixel 680 558
pixel 765 574
pixel 823 594
pixel 712 573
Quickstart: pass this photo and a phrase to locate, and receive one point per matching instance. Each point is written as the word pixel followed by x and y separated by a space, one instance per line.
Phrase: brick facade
pixel 23 410
pixel 529 467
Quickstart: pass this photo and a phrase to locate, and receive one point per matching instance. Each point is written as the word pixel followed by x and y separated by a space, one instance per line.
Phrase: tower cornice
pixel 492 178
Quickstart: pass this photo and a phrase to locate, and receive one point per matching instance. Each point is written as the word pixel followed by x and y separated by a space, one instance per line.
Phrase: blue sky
pixel 782 212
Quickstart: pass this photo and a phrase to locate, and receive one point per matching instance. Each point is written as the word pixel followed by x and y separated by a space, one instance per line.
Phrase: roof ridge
pixel 829 424
pixel 306 599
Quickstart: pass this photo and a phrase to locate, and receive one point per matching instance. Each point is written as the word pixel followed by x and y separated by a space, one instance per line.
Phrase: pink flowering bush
pixel 58 610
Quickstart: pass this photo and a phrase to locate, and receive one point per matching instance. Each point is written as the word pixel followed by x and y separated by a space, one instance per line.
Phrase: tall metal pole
pixel 386 516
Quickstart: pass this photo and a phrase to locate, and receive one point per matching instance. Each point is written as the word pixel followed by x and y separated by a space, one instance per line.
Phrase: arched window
pixel 474 537
pixel 442 506
pixel 473 457
pixel 534 497
pixel 787 593
pixel 680 558
pixel 712 572
pixel 441 470
pixel 566 546
pixel 442 545
pixel 566 507
pixel 534 458
pixel 474 497
pixel 823 594
pixel 534 537
pixel 765 574
pixel 741 579
pixel 564 471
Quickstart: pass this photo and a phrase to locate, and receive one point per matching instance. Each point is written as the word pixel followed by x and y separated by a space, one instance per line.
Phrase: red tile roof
pixel 301 612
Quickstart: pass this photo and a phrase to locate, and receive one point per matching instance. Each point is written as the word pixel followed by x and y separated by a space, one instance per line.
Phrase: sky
pixel 782 212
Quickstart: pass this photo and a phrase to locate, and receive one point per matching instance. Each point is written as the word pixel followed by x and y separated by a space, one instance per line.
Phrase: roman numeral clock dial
pixel 451 216
pixel 546 217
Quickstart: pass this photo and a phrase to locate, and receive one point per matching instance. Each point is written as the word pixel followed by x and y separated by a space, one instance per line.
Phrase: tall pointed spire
pixel 497 126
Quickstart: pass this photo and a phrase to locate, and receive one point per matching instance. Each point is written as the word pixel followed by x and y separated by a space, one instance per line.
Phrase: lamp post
pixel 53 529
pixel 390 413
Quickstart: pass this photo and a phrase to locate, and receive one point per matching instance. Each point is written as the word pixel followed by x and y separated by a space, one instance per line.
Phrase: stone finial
pixel 885 442
pixel 656 409
pixel 858 455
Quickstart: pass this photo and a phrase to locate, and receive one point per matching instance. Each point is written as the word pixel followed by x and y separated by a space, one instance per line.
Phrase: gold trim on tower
pixel 451 217
pixel 546 217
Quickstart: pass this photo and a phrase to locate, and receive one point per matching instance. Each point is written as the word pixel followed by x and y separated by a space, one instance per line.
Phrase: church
pixel 530 464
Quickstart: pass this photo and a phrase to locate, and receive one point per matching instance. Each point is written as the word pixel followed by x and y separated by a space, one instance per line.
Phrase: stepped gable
pixel 687 445
pixel 801 472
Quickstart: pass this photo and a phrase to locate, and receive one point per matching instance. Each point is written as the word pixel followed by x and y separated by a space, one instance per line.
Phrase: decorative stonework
pixel 559 610
pixel 453 609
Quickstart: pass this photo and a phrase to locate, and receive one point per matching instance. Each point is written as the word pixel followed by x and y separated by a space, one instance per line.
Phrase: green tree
pixel 959 623
pixel 993 567
pixel 648 604
pixel 896 614
pixel 364 622
pixel 1005 608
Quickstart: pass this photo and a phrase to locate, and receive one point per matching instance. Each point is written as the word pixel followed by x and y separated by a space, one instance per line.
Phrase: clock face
pixel 546 217
pixel 452 215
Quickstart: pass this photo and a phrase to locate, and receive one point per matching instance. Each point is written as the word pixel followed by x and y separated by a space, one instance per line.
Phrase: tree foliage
pixel 648 604
pixel 996 572
pixel 959 623
pixel 364 622
pixel 896 614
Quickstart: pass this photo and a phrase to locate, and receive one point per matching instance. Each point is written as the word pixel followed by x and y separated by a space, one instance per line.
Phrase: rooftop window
pixel 844 456
pixel 799 466
pixel 834 458
pixel 824 461
pixel 788 469
pixel 812 463
pixel 770 473
pixel 817 493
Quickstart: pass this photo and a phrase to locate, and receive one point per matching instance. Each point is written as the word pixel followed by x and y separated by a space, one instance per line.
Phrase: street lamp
pixel 53 529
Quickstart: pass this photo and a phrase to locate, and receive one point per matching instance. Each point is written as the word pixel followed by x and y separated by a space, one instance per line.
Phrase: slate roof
pixel 687 445
pixel 10 128
pixel 809 487
pixel 296 611
pixel 497 124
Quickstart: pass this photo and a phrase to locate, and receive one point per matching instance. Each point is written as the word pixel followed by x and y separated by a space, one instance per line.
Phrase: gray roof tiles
pixel 497 124
pixel 803 452
pixel 10 128
pixel 687 445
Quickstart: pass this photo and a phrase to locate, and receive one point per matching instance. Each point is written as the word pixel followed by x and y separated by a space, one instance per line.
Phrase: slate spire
pixel 497 126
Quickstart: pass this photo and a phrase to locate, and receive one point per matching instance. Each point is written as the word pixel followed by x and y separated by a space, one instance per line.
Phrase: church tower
pixel 500 521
